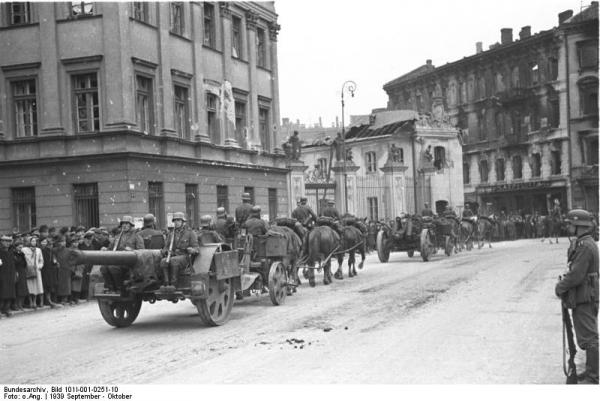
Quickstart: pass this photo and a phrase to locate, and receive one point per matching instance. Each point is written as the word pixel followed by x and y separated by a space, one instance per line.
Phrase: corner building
pixel 528 112
pixel 111 109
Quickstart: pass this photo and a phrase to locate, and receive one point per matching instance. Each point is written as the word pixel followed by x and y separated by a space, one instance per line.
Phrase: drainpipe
pixel 569 187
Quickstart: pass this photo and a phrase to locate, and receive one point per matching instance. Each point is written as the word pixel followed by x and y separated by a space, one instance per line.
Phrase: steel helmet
pixel 221 211
pixel 178 216
pixel 255 211
pixel 126 219
pixel 580 217
pixel 246 196
pixel 149 218
pixel 206 220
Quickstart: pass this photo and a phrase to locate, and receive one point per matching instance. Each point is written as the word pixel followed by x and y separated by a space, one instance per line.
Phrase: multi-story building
pixel 525 125
pixel 111 109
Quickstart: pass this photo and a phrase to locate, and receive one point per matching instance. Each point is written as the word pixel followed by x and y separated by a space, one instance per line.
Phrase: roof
pixel 422 70
pixel 589 13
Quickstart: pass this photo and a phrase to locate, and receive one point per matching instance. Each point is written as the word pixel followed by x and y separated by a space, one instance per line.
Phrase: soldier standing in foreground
pixel 304 214
pixel 578 289
pixel 242 212
pixel 182 244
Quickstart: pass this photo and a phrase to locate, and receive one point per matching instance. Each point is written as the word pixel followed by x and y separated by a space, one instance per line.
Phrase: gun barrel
pixel 128 258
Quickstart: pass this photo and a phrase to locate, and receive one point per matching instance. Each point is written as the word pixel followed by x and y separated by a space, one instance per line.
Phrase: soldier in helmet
pixel 304 214
pixel 182 244
pixel 255 225
pixel 207 234
pixel 330 211
pixel 578 289
pixel 225 225
pixel 153 238
pixel 242 212
pixel 126 240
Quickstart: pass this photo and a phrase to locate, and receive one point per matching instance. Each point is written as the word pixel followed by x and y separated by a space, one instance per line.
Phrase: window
pixel 499 169
pixel 534 74
pixel 261 49
pixel 223 197
pixel 87 107
pixel 499 122
pixel 371 162
pixel 552 69
pixel 23 202
pixel 19 13
pixel 516 123
pixel 322 162
pixel 25 108
pixel 250 190
pixel 439 157
pixel 517 167
pixel 263 127
pixel 514 77
pixel 592 152
pixel 373 208
pixel 140 11
pixel 85 198
pixel 588 96
pixel 240 123
pixel 236 37
pixel 156 201
pixel 483 170
pixel 588 54
pixel 481 125
pixel 191 204
pixel 555 162
pixel 177 18
pixel 144 104
pixel 82 8
pixel 209 25
pixel 536 165
pixel 211 118
pixel 181 112
pixel 466 173
pixel 272 203
pixel 553 112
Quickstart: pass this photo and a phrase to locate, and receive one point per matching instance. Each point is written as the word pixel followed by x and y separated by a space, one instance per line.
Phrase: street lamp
pixel 349 86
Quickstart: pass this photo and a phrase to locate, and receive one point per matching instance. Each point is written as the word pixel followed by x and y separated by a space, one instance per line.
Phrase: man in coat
pixel 330 211
pixel 255 225
pixel 578 289
pixel 304 214
pixel 153 238
pixel 7 276
pixel 242 212
pixel 182 244
pixel 225 225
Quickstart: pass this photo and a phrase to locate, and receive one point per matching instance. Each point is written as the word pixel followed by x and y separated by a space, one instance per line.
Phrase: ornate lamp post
pixel 349 86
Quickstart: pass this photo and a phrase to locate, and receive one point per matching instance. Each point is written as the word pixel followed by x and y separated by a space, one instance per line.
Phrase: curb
pixel 41 309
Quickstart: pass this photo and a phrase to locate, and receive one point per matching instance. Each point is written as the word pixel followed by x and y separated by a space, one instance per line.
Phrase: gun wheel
pixel 120 313
pixel 277 283
pixel 215 309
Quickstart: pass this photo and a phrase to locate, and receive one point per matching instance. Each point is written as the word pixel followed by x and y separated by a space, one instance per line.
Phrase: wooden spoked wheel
pixel 214 310
pixel 383 250
pixel 277 283
pixel 120 313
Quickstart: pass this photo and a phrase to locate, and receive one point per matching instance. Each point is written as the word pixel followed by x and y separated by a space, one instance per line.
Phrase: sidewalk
pixel 41 309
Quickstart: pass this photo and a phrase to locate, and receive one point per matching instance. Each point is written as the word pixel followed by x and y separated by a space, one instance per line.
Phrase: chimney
pixel 337 122
pixel 565 15
pixel 428 62
pixel 525 32
pixel 506 35
pixel 478 47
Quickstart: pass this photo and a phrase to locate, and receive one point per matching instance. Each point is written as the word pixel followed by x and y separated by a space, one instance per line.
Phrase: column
pixel 394 173
pixel 165 85
pixel 253 137
pixel 296 179
pixel 227 130
pixel 51 94
pixel 199 132
pixel 120 112
pixel 276 121
pixel 345 186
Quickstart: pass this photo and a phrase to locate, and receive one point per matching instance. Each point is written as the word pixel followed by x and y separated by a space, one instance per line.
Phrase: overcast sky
pixel 323 43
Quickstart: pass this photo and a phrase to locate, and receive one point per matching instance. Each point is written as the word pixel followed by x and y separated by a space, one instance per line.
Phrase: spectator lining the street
pixel 35 263
pixel 21 289
pixel 7 276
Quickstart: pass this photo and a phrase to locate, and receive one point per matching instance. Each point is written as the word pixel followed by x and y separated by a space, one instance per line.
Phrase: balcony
pixel 514 95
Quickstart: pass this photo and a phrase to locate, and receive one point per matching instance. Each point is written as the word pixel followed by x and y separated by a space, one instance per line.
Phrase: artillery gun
pixel 209 281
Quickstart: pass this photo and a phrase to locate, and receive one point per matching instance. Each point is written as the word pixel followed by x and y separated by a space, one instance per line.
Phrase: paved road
pixel 485 316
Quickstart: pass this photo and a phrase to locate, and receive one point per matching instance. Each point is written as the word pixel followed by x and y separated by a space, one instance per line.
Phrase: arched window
pixel 517 167
pixel 439 157
pixel 483 170
pixel 499 169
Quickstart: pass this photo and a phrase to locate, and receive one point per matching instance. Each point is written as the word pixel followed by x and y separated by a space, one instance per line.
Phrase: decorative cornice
pixel 144 63
pixel 24 66
pixel 251 20
pixel 225 10
pixel 274 31
pixel 181 74
pixel 82 60
pixel 238 91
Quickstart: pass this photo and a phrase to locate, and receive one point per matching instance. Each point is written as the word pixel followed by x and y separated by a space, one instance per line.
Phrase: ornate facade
pixel 512 106
pixel 121 108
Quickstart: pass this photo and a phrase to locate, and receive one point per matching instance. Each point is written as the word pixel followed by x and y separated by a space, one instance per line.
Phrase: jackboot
pixel 590 376
pixel 174 276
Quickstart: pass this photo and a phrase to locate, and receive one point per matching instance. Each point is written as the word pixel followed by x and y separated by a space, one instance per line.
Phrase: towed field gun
pixel 210 282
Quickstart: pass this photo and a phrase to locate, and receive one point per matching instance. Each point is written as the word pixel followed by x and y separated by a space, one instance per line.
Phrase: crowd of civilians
pixel 35 269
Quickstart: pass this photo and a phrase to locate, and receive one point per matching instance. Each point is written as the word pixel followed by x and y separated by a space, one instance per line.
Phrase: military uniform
pixel 129 239
pixel 242 212
pixel 225 226
pixel 115 275
pixel 183 243
pixel 304 214
pixel 153 239
pixel 330 211
pixel 427 212
pixel 578 290
pixel 256 226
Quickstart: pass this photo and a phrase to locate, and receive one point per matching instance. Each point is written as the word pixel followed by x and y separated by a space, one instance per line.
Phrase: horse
pixel 456 233
pixel 294 252
pixel 352 240
pixel 467 233
pixel 485 226
pixel 320 245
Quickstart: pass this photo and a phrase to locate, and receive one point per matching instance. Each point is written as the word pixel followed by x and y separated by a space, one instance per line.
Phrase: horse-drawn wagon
pixel 209 281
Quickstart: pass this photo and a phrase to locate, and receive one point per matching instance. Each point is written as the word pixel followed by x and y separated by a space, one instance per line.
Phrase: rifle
pixel 569 367
pixel 118 240
pixel 170 250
